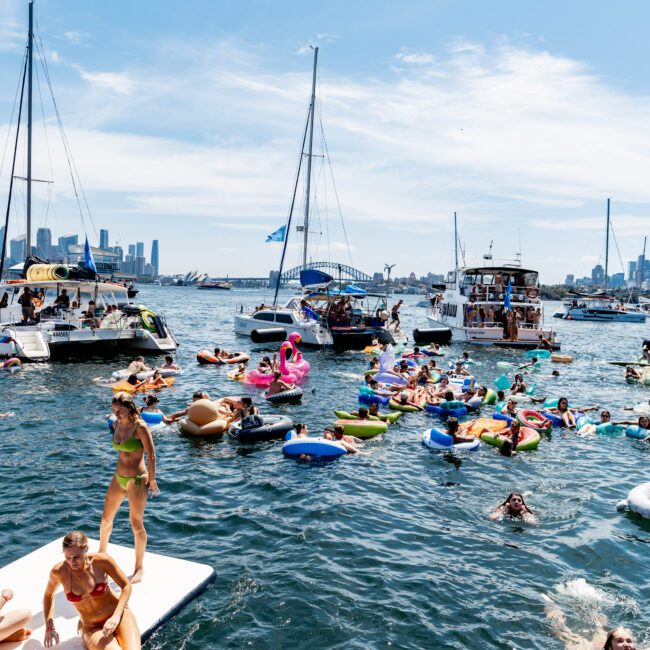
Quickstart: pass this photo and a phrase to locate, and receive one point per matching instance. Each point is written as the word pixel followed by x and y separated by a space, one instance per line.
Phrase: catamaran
pixel 598 306
pixel 65 307
pixel 344 317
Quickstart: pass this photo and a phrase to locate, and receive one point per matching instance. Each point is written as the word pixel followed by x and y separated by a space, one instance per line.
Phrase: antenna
pixel 488 256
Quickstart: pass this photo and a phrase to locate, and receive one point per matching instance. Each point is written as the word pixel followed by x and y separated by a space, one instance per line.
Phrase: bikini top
pixel 130 444
pixel 100 588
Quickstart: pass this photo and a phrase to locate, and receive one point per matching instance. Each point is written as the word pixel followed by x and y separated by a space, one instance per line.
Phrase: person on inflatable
pixel 643 423
pixel 519 387
pixel 348 442
pixel 515 507
pixel 151 405
pixel 245 408
pixel 135 382
pixel 301 430
pixel 424 375
pixel 452 430
pixel 568 415
pixel 531 364
pixel 460 370
pixel 199 394
pixel 632 375
pixel 169 364
pixel 136 366
pixel 156 381
pixel 510 408
pixel 277 385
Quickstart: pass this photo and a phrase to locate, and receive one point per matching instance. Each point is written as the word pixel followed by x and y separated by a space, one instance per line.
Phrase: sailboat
pixel 324 316
pixel 599 306
pixel 69 305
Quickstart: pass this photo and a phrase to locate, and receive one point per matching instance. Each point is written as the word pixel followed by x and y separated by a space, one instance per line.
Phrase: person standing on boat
pixel 394 313
pixel 26 301
pixel 62 300
pixel 132 440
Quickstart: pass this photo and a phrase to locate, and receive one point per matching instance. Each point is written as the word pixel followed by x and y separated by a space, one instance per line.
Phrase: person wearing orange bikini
pixel 132 440
pixel 105 621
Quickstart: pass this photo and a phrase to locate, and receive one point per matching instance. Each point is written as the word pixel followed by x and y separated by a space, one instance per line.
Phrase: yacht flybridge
pixel 57 331
pixel 476 302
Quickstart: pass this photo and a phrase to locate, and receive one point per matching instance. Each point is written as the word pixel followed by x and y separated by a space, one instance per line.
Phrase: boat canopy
pixel 314 278
pixel 84 286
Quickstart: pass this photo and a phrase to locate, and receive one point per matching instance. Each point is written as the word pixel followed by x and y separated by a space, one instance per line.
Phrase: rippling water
pixel 393 549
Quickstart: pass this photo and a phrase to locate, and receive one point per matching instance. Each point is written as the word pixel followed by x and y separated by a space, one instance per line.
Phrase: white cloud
pixel 327 38
pixel 414 58
pixel 511 138
pixel 119 82
pixel 75 38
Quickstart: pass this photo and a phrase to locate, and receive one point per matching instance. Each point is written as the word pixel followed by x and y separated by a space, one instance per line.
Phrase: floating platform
pixel 169 584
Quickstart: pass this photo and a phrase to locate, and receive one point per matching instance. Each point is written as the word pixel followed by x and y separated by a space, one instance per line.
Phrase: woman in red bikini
pixel 132 440
pixel 106 622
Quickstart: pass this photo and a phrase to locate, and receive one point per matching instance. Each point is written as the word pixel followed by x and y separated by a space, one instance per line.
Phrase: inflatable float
pixel 441 441
pixel 561 358
pixel 171 583
pixel 260 428
pixel 205 357
pixel 312 447
pixel 635 431
pixel 396 405
pixel 124 386
pixel 638 500
pixel 204 419
pixel 164 372
pixel 391 418
pixel 291 396
pixel 534 420
pixel 11 365
pixel 451 408
pixel 479 426
pixel 362 428
pixel 528 439
pixel 538 353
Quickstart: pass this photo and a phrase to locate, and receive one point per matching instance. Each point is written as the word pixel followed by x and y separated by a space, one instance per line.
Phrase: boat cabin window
pixel 448 309
pixel 274 318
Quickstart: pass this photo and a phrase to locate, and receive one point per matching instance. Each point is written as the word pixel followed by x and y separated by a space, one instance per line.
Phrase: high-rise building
pixel 598 275
pixel 154 256
pixel 139 249
pixel 570 280
pixel 631 270
pixel 103 239
pixel 65 242
pixel 617 281
pixel 132 250
pixel 139 265
pixel 17 249
pixel 43 242
pixel 119 252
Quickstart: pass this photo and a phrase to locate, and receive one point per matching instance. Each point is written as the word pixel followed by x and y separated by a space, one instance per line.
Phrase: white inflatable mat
pixel 169 584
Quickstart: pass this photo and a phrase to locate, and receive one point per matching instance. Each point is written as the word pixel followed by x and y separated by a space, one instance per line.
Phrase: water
pixel 393 549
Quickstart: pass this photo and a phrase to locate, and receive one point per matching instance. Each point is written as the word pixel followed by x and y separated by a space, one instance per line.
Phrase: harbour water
pixel 393 549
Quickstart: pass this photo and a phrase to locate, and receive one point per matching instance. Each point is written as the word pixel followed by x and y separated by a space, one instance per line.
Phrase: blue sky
pixel 185 120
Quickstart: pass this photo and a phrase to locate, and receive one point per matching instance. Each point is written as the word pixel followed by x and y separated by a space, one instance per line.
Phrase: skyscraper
pixel 139 249
pixel 154 256
pixel 17 249
pixel 132 250
pixel 119 252
pixel 43 242
pixel 631 270
pixel 65 241
pixel 103 239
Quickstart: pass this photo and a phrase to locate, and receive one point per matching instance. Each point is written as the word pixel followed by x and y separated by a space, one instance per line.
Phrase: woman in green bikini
pixel 132 479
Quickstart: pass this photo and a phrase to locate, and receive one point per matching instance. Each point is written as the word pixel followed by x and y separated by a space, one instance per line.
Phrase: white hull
pixel 602 315
pixel 311 332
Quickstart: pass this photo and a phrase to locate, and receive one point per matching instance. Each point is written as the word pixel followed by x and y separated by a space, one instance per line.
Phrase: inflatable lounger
pixel 169 584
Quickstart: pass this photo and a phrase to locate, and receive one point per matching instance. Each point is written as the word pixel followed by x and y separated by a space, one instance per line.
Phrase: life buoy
pixel 147 318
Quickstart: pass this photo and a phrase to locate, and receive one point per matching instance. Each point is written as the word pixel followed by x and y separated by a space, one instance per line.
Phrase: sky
pixel 185 121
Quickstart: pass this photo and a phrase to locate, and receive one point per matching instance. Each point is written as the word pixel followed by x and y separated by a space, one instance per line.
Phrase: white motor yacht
pixel 601 308
pixel 473 306
pixel 58 332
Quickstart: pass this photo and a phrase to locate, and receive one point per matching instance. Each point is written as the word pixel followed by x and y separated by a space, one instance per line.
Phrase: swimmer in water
pixel 514 507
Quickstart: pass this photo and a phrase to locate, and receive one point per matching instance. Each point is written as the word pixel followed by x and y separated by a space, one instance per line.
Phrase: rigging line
pixel 293 201
pixel 11 120
pixel 46 208
pixel 70 160
pixel 13 169
pixel 336 194
pixel 620 259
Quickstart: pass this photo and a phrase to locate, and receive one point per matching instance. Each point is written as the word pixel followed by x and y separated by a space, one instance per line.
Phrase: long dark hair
pixel 525 508
pixel 609 643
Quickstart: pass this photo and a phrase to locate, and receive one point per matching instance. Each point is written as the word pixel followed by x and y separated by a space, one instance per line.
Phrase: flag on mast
pixel 88 257
pixel 277 235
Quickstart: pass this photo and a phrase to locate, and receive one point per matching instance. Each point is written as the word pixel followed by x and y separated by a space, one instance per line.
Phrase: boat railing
pixel 495 293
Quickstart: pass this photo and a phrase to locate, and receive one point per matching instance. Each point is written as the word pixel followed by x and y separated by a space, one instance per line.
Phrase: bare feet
pixel 19 635
pixel 137 576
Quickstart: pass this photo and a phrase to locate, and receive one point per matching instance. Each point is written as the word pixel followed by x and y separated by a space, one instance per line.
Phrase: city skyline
pixel 199 122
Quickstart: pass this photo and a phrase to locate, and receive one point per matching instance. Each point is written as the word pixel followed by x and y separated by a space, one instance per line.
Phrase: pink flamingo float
pixel 288 374
pixel 298 362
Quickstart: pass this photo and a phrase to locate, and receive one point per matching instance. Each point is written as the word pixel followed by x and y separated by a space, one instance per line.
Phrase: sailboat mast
pixel 312 112
pixel 30 52
pixel 607 245
pixel 456 245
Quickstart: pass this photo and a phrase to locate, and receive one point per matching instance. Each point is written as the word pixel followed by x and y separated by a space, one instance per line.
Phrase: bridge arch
pixel 343 271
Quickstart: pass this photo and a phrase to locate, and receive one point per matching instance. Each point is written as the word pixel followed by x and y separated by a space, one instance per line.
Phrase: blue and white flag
pixel 506 302
pixel 88 257
pixel 278 235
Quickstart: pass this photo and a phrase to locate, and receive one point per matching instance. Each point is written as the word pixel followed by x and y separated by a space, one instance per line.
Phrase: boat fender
pixel 268 335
